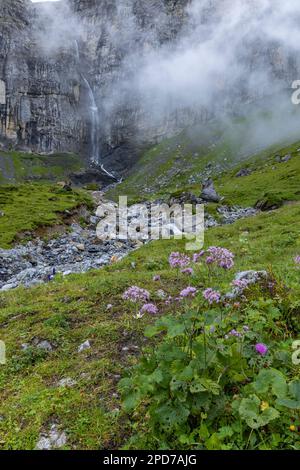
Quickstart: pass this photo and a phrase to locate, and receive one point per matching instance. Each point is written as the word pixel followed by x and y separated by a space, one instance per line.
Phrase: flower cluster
pixel 198 256
pixel 297 259
pixel 188 271
pixel 234 333
pixel 241 284
pixel 221 257
pixel 169 300
pixel 237 334
pixel 179 260
pixel 136 294
pixel 212 296
pixel 149 308
pixel 188 292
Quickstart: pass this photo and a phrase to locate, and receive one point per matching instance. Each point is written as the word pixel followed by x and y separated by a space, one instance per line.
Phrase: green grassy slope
pixel 20 166
pixel 26 207
pixel 180 164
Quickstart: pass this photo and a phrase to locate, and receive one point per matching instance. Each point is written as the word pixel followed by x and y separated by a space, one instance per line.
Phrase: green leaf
pixel 288 403
pixel 197 388
pixel 250 412
pixel 210 386
pixel 225 431
pixel 187 373
pixel 213 443
pixel 172 414
pixel 177 329
pixel 157 376
pixel 131 401
pixel 294 391
pixel 271 379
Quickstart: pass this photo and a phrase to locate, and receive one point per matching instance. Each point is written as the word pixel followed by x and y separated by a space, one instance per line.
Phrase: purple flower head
pixel 221 257
pixel 156 278
pixel 197 256
pixel 246 328
pixel 241 284
pixel 261 349
pixel 169 300
pixel 188 292
pixel 149 308
pixel 179 260
pixel 212 296
pixel 235 333
pixel 297 259
pixel 188 271
pixel 136 294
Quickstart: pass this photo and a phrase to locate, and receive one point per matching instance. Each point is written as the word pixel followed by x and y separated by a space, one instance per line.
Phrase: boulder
pixel 209 194
pixel 243 172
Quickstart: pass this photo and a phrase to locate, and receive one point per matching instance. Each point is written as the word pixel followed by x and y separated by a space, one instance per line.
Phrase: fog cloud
pixel 227 53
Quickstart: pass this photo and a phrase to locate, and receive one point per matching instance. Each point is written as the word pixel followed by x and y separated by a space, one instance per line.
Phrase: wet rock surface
pixel 231 214
pixel 76 252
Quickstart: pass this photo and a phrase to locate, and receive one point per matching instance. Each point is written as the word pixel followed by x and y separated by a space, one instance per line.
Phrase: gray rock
pixel 67 382
pixel 284 159
pixel 243 172
pixel 67 273
pixel 251 276
pixel 45 345
pixel 54 439
pixel 84 346
pixel 7 287
pixel 231 214
pixel 94 220
pixel 209 193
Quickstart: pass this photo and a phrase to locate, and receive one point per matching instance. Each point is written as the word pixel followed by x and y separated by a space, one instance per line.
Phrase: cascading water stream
pixel 94 121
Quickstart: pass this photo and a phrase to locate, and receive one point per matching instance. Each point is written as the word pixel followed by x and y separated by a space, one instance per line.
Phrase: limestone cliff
pixel 40 107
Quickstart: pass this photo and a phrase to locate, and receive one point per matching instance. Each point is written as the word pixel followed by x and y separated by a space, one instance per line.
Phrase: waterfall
pixel 94 120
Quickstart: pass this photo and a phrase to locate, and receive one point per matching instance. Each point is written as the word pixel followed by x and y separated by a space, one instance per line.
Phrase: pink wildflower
pixel 188 292
pixel 179 260
pixel 241 284
pixel 261 349
pixel 221 257
pixel 136 294
pixel 149 308
pixel 212 296
pixel 197 256
pixel 188 271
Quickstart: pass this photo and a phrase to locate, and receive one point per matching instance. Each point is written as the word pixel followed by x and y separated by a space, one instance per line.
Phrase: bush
pixel 220 375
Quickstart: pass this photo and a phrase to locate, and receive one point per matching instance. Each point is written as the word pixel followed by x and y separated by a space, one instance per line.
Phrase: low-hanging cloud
pixel 227 47
pixel 226 53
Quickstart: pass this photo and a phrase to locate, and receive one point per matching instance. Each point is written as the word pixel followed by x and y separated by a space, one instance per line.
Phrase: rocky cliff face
pixel 40 106
pixel 60 68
